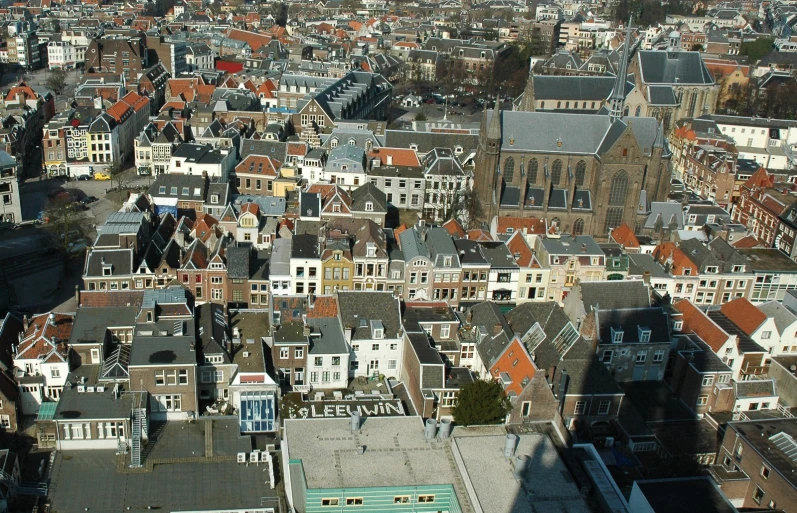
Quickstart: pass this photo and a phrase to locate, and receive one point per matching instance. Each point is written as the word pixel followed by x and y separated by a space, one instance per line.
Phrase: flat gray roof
pixel 547 482
pixel 91 479
pixel 396 454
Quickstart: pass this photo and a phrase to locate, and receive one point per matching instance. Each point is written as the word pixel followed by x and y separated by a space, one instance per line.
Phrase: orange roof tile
pixel 746 242
pixel 250 208
pixel 520 250
pixel 323 306
pixel 120 111
pixel 398 156
pixel 743 314
pixel 454 229
pixel 136 101
pixel 253 39
pixel 530 225
pixel 668 252
pixel 259 165
pixel 695 320
pixel 624 235
pixel 479 235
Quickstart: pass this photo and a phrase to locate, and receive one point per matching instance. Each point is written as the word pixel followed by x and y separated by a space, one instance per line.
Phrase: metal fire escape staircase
pixel 139 430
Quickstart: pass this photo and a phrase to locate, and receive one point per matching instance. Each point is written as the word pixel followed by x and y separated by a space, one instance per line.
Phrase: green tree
pixel 115 169
pixel 65 223
pixel 756 49
pixel 420 116
pixel 56 80
pixel 481 402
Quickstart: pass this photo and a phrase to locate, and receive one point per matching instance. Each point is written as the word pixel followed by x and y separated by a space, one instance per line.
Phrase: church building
pixel 584 173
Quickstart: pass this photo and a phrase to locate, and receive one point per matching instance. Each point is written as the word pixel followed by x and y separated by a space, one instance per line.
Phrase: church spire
pixel 617 99
pixel 494 130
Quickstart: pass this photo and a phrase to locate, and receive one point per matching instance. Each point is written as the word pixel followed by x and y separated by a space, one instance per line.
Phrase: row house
pixel 154 146
pixel 533 278
pixel 419 265
pixel 202 160
pixel 761 204
pixel 723 272
pixel 475 272
pixel 504 275
pixel 306 264
pixel 448 185
pixel 680 267
pixel 570 258
pixel 54 146
pixel 372 326
pixel 369 252
pixel 737 350
pixel 700 379
pixel 337 264
pixel 42 359
pixel 774 274
pixel 710 171
pixel 447 271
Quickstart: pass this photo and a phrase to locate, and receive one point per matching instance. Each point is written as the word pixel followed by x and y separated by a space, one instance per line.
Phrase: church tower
pixel 617 99
pixel 486 173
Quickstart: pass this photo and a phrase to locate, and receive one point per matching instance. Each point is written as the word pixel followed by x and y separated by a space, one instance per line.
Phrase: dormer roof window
pixel 617 335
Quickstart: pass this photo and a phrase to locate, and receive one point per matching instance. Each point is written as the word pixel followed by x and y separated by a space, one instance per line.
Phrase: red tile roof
pixel 479 235
pixel 136 101
pixel 96 298
pixel 624 235
pixel 254 39
pixel 259 165
pixel 323 306
pixel 532 225
pixel 454 229
pixel 698 322
pixel 519 249
pixel 667 251
pixel 746 242
pixel 743 314
pixel 400 156
pixel 250 208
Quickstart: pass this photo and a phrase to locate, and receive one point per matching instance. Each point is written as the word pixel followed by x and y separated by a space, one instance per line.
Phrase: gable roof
pixel 697 321
pixel 743 314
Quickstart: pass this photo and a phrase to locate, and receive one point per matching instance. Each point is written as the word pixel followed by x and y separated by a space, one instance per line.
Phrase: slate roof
pixel 326 336
pixel 629 320
pixel 573 87
pixel 365 193
pixel 613 294
pixel 356 306
pixel 683 68
pixel 120 260
pixel 755 388
pixel 238 262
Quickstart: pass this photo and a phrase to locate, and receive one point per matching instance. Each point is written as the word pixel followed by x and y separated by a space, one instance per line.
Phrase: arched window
pixel 333 143
pixel 581 173
pixel 542 104
pixel 625 111
pixel 509 170
pixel 638 111
pixel 584 105
pixel 558 105
pixel 533 172
pixel 567 105
pixel 617 198
pixel 352 142
pixel 556 172
pixel 578 227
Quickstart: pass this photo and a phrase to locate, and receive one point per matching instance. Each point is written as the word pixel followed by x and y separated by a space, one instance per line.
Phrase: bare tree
pixel 65 222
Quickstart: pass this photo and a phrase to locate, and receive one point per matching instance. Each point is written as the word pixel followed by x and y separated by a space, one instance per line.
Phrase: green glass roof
pixel 47 411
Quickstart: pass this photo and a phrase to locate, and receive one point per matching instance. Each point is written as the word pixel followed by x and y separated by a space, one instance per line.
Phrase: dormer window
pixel 336 207
pixel 369 206
pixel 738 268
pixel 162 189
pixel 617 335
pixel 447 261
pixel 107 270
pixel 214 198
pixel 711 269
pixel 644 334
pixel 173 191
pixel 678 325
pixel 377 330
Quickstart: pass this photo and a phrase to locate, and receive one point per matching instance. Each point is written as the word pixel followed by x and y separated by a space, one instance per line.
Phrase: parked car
pixel 84 177
pixel 102 176
pixel 76 247
pixel 88 200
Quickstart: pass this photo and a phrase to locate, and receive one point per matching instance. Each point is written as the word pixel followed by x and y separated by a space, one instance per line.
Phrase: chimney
pixel 98 102
pixel 390 160
pixel 306 331
pixel 583 248
pixel 497 328
pixel 77 295
pixel 646 277
pixel 469 317
pixel 25 322
pixel 311 301
pixel 51 319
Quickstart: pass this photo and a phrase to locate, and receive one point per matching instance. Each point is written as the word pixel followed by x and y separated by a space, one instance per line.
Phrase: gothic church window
pixel 556 172
pixel 533 172
pixel 581 173
pixel 509 170
pixel 578 227
pixel 617 198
